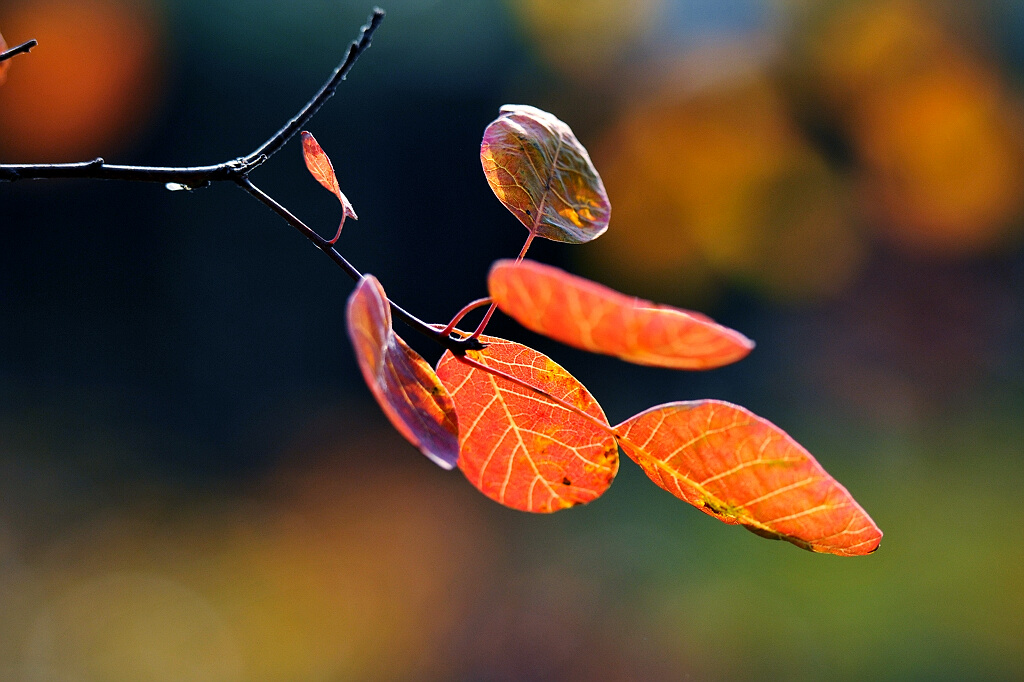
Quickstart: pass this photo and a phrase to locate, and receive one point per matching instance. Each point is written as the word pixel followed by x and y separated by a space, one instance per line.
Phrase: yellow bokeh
pixel 935 130
pixel 582 37
pixel 719 182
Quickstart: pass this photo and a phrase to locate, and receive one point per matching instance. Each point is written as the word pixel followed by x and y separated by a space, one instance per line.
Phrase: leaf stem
pixel 490 311
pixel 470 307
pixel 20 49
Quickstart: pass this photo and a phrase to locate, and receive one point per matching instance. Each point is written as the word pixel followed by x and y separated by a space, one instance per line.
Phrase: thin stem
pixel 20 49
pixel 490 311
pixel 526 246
pixel 470 307
pixel 458 347
pixel 199 176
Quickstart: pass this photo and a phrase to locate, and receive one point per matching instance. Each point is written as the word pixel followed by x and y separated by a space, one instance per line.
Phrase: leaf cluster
pixel 521 428
pixel 527 433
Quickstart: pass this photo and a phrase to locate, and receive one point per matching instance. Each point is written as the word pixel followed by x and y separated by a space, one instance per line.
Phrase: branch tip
pixel 20 49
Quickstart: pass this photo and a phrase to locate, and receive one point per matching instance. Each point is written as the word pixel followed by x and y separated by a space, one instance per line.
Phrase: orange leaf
pixel 320 168
pixel 587 315
pixel 540 171
pixel 404 385
pixel 743 469
pixel 520 448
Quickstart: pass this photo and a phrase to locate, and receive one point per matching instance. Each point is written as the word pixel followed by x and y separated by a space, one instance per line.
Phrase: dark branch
pixel 20 49
pixel 299 121
pixel 198 176
pixel 457 346
pixel 189 177
pixel 237 171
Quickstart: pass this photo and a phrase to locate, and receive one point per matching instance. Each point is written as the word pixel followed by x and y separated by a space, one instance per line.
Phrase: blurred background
pixel 195 483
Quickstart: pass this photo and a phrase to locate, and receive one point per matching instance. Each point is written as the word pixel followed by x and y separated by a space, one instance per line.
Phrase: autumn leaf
pixel 588 315
pixel 320 168
pixel 404 385
pixel 544 176
pixel 520 448
pixel 742 469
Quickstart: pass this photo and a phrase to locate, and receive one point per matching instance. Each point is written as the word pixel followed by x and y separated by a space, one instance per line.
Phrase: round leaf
pixel 540 171
pixel 520 448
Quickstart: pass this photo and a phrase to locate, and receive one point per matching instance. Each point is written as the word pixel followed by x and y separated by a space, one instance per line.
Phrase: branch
pixel 20 49
pixel 237 171
pixel 458 346
pixel 196 176
pixel 293 126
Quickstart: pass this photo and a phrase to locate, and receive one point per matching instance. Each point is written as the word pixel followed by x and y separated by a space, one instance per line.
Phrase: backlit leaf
pixel 540 171
pixel 743 469
pixel 588 315
pixel 520 448
pixel 404 385
pixel 320 168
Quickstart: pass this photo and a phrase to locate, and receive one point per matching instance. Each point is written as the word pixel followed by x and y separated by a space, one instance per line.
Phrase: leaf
pixel 743 469
pixel 540 171
pixel 520 448
pixel 320 168
pixel 588 315
pixel 404 385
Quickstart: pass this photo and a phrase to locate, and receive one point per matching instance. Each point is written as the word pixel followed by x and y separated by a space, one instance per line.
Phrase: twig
pixel 458 346
pixel 198 176
pixel 237 171
pixel 20 49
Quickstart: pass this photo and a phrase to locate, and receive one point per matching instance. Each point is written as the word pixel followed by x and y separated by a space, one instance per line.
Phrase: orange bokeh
pixel 91 81
pixel 719 182
pixel 933 125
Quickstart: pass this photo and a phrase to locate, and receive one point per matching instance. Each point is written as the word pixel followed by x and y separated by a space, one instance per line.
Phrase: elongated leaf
pixel 404 385
pixel 743 469
pixel 320 168
pixel 520 448
pixel 540 171
pixel 587 315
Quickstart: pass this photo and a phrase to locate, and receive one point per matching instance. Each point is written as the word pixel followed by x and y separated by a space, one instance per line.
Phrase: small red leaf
pixel 404 385
pixel 743 469
pixel 588 315
pixel 544 176
pixel 320 168
pixel 520 448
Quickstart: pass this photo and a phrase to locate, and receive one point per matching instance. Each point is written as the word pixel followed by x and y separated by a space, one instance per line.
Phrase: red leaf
pixel 404 385
pixel 587 315
pixel 520 448
pixel 320 168
pixel 743 469
pixel 540 171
